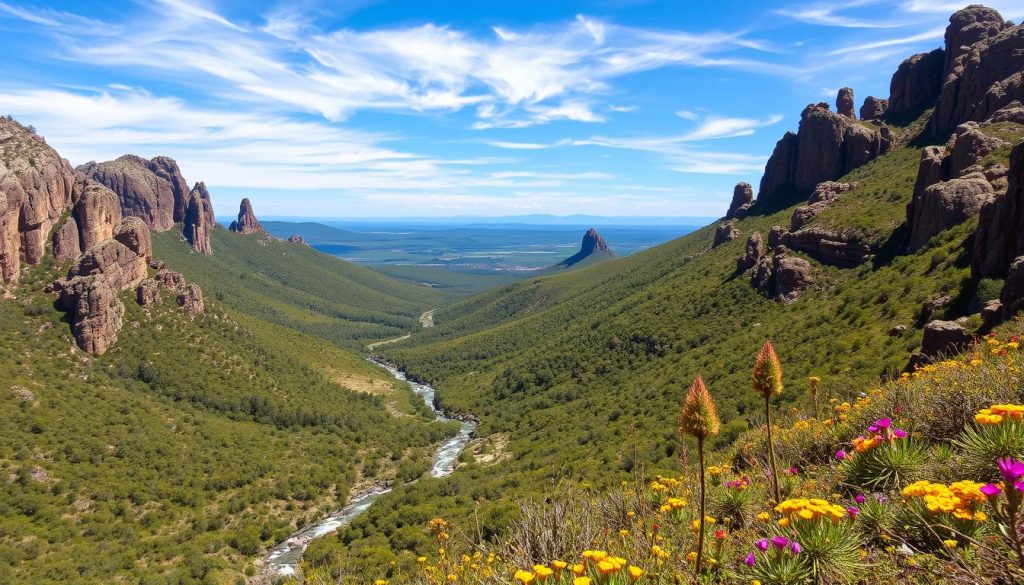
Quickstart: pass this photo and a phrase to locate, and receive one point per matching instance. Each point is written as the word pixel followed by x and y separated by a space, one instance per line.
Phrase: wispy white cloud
pixel 832 15
pixel 861 48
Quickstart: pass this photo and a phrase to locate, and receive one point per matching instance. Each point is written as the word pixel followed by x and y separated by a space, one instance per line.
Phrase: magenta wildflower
pixel 762 545
pixel 795 547
pixel 883 423
pixel 840 454
pixel 853 511
pixel 1010 468
pixel 859 498
pixel 793 471
pixel 899 433
pixel 780 542
pixel 990 489
pixel 750 560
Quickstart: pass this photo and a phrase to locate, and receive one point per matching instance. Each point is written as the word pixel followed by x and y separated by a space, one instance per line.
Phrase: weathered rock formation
pixel 153 190
pixel 188 296
pixel 199 220
pixel 95 312
pixel 947 204
pixel 826 146
pixel 296 239
pixel 752 252
pixel 873 108
pixel 725 232
pixel 844 103
pixel 782 277
pixel 944 338
pixel 775 236
pixel 824 193
pixel 916 84
pixel 246 222
pixel 829 246
pixel 742 201
pixel 190 299
pixel 592 247
pixel 96 212
pixel 134 233
pixel 121 267
pixel 36 188
pixel 66 244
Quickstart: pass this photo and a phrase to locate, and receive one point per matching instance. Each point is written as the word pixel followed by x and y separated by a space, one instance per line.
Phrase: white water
pixel 284 558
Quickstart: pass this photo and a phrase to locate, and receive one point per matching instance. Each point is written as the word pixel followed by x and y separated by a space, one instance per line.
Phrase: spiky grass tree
pixel 767 380
pixel 700 421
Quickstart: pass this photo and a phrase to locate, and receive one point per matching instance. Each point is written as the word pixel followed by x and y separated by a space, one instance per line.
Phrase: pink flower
pixel 1010 468
pixel 793 471
pixel 883 423
pixel 899 433
pixel 750 560
pixel 990 489
pixel 859 498
pixel 840 454
pixel 853 511
pixel 780 542
pixel 762 545
pixel 795 547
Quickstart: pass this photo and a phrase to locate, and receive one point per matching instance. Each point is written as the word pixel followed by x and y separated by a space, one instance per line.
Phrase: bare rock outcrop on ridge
pixel 153 190
pixel 246 222
pixel 199 220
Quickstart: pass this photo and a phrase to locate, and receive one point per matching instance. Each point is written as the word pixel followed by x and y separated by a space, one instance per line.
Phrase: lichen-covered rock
pixel 191 300
pixel 944 205
pixel 152 190
pixel 66 244
pixel 916 84
pixel 246 222
pixel 134 233
pixel 844 103
pixel 873 108
pixel 36 188
pixel 121 267
pixel 752 252
pixel 726 232
pixel 95 311
pixel 199 219
pixel 742 201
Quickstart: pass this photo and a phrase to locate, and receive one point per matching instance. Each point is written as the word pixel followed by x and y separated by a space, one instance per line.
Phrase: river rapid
pixel 283 559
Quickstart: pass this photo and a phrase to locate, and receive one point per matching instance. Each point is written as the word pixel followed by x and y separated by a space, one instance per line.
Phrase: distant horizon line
pixel 551 219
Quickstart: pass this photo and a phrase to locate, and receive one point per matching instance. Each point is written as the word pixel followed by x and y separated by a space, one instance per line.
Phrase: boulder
pixel 742 201
pixel 897 330
pixel 933 305
pixel 120 266
pixel 152 190
pixel 157 264
pixel 1011 112
pixel 782 277
pixel 1000 235
pixel 191 300
pixel 861 145
pixel 824 194
pixel 915 85
pixel 985 75
pixel 778 171
pixel 66 244
pixel 148 292
pixel 96 211
pixel 873 108
pixel 171 279
pixel 94 310
pixel 296 239
pixel 199 220
pixel 969 146
pixel 844 103
pixel 943 338
pixel 246 222
pixel 36 188
pixel 725 233
pixel 829 247
pixel 752 252
pixel 991 314
pixel 945 205
pixel 776 235
pixel 133 233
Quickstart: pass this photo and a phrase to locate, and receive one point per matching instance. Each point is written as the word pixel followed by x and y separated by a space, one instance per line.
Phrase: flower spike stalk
pixel 699 420
pixel 767 380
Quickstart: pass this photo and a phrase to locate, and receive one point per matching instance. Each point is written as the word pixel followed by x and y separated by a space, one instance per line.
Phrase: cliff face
pixel 199 220
pixel 152 190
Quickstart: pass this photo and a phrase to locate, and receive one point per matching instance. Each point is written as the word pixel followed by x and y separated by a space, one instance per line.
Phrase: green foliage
pixel 891 465
pixel 980 445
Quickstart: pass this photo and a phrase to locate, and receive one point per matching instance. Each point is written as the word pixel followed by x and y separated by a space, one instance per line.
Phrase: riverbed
pixel 283 559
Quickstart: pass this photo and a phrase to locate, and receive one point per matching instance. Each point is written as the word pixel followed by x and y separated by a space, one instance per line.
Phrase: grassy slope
pixel 298 287
pixel 604 354
pixel 186 448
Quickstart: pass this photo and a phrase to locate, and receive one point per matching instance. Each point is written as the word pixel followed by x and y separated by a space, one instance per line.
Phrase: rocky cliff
pixel 152 190
pixel 592 247
pixel 199 220
pixel 246 222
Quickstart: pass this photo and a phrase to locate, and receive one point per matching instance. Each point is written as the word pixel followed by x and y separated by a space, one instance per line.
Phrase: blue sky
pixel 417 108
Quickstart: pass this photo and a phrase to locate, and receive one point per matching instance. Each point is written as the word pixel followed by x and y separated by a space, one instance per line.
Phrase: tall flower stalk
pixel 700 421
pixel 767 380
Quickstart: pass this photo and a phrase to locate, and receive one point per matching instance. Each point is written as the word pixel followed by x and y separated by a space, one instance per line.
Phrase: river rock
pixel 873 108
pixel 152 190
pixel 844 103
